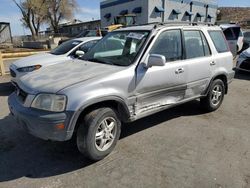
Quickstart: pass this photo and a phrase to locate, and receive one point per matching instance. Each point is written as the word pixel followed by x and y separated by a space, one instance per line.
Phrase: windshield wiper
pixel 99 61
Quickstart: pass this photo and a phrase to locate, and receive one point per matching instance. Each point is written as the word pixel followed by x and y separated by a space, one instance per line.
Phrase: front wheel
pixel 98 133
pixel 215 96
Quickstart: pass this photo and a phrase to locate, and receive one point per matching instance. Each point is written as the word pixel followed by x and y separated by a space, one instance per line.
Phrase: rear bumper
pixel 40 123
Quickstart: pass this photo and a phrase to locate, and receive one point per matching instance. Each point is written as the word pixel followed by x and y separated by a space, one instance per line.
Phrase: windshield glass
pixel 118 48
pixel 65 47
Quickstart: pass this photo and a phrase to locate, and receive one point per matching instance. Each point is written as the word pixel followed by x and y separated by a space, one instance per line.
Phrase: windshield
pixel 118 48
pixel 65 47
pixel 125 20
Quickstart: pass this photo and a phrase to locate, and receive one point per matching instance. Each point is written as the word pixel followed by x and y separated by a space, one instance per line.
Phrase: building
pixel 149 11
pixel 239 15
pixel 75 27
pixel 5 33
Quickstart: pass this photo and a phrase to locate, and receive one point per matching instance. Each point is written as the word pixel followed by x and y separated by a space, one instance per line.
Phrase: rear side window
pixel 168 44
pixel 196 44
pixel 219 41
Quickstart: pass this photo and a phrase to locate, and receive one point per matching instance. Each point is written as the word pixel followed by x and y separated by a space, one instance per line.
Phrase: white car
pixel 240 41
pixel 243 62
pixel 66 51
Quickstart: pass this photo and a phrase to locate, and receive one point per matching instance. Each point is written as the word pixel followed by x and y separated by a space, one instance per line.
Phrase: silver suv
pixel 131 73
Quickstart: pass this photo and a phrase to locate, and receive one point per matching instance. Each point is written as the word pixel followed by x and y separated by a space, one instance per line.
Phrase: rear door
pixel 200 62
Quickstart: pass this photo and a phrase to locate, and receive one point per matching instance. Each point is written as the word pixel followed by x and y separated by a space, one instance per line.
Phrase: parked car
pixel 232 33
pixel 240 41
pixel 67 51
pixel 86 33
pixel 130 74
pixel 246 40
pixel 243 62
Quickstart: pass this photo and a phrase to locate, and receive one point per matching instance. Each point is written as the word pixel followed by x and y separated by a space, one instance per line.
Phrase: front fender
pixel 87 104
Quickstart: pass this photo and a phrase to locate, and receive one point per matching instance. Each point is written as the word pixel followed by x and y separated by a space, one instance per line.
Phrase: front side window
pixel 168 44
pixel 65 47
pixel 195 44
pixel 219 41
pixel 118 48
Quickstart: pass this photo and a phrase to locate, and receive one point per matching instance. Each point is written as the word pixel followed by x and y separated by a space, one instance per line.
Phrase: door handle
pixel 179 71
pixel 212 63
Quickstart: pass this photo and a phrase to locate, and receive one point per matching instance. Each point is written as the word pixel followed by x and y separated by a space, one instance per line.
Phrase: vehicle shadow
pixel 241 75
pixel 22 155
pixel 189 109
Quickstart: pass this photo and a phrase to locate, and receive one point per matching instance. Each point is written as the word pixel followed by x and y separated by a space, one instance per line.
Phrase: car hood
pixel 38 59
pixel 247 52
pixel 57 77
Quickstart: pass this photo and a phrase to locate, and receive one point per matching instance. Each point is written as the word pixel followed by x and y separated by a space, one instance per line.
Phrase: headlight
pixel 50 102
pixel 29 68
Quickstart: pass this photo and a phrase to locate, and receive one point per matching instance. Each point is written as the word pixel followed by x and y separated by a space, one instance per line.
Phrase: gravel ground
pixel 179 147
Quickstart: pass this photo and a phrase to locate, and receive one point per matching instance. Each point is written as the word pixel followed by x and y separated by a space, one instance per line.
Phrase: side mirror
pixel 155 60
pixel 80 53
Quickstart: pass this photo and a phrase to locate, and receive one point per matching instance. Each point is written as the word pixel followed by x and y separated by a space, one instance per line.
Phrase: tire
pixel 212 102
pixel 95 136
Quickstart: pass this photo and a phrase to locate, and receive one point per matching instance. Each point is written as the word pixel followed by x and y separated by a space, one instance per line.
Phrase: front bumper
pixel 243 64
pixel 40 123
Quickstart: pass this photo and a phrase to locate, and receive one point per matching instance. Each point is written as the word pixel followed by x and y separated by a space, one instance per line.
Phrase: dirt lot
pixel 180 147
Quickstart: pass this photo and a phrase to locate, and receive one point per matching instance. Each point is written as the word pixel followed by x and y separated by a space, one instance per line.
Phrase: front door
pixel 159 87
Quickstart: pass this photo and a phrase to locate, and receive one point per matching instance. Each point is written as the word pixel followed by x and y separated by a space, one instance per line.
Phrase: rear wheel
pixel 215 96
pixel 98 133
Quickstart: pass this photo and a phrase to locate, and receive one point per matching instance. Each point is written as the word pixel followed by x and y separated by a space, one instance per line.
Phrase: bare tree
pixel 58 10
pixel 33 14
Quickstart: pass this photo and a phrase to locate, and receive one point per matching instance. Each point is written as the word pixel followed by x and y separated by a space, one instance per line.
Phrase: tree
pixel 33 14
pixel 58 10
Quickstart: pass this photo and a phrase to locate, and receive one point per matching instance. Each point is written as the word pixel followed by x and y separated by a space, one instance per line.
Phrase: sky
pixel 87 10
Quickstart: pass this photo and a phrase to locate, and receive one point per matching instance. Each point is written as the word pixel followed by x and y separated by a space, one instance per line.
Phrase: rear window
pixel 232 33
pixel 219 41
pixel 65 47
pixel 229 34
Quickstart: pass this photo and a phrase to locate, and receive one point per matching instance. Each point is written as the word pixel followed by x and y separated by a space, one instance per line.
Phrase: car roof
pixel 225 26
pixel 84 39
pixel 149 27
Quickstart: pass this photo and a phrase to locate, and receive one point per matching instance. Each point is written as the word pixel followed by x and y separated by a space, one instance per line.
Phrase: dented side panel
pixel 158 87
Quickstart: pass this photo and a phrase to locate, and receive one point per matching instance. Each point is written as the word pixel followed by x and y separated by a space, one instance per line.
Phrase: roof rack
pixel 156 24
pixel 187 23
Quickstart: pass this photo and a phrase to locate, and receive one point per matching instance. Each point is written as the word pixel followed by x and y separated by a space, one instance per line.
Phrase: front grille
pixel 12 73
pixel 21 94
pixel 245 64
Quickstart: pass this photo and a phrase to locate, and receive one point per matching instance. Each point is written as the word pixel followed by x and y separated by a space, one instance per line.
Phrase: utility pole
pixel 163 13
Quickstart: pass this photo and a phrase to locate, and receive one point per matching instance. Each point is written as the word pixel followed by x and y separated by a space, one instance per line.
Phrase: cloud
pixel 87 14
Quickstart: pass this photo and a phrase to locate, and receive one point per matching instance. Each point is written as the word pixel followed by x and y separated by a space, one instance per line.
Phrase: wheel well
pixel 224 79
pixel 119 108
